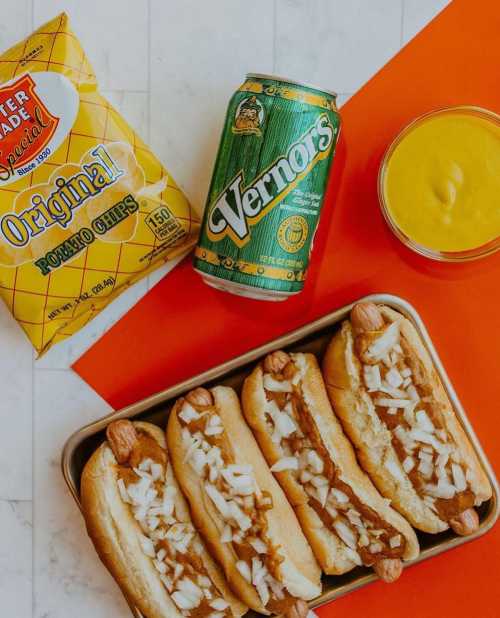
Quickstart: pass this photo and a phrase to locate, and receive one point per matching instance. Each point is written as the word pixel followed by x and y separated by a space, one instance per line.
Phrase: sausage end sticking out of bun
pixel 345 519
pixel 141 528
pixel 237 505
pixel 392 405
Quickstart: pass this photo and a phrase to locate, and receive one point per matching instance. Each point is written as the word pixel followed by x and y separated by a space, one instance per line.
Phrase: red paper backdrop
pixel 183 327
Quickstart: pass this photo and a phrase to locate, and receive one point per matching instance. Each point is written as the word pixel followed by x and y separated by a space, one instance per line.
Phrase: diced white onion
pixel 227 534
pixel 442 460
pixel 322 493
pixel 167 582
pixel 332 511
pixel 355 519
pixel 423 421
pixel 218 500
pixel 285 425
pixel 237 482
pixel 383 344
pixel 156 471
pixel 364 541
pixel 394 378
pixel 372 377
pixel 441 490
pixel 198 460
pixel 458 477
pixel 182 601
pixel 406 372
pixel 353 556
pixel 214 457
pixel 285 463
pixel 394 469
pixel 404 437
pixel 263 592
pixel 276 386
pixel 408 464
pixel 214 420
pixel 145 464
pixel 425 456
pixel 161 554
pixel 204 582
pixel 319 481
pixel 147 546
pixel 315 461
pixel 422 436
pixel 161 567
pixel 214 431
pixel 259 545
pixel 243 521
pixel 259 571
pixel 425 468
pixel 412 393
pixel 375 547
pixel 272 409
pixel 441 434
pixel 397 393
pixel 385 402
pixel 123 491
pixel 193 444
pixel 305 476
pixel 179 570
pixel 409 413
pixel 392 410
pixel 395 541
pixel 470 476
pixel 345 533
pixel 190 589
pixel 244 570
pixel 339 496
pixel 219 604
pixel 188 413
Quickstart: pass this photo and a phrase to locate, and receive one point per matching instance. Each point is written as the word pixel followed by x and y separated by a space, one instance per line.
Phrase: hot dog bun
pixel 300 378
pixel 298 571
pixel 375 439
pixel 118 537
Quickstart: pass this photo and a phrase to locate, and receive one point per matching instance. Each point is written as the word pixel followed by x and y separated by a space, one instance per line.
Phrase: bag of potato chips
pixel 86 209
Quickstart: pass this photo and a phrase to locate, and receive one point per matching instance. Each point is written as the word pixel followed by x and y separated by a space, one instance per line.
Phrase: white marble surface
pixel 170 67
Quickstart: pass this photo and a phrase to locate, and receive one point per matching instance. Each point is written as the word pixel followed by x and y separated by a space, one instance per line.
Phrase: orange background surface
pixel 183 327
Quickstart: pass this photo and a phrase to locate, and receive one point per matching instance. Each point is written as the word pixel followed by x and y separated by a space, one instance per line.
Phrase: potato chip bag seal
pixel 86 209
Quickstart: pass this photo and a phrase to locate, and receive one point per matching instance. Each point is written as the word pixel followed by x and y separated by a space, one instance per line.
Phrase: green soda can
pixel 267 188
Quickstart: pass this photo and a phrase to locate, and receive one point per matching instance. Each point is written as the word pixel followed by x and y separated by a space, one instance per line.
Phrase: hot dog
pixel 237 505
pixel 141 528
pixel 390 400
pixel 344 517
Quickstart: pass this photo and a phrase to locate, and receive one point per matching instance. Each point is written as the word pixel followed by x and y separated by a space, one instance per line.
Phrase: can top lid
pixel 278 78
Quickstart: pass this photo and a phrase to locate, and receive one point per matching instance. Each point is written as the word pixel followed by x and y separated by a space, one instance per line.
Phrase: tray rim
pixel 287 339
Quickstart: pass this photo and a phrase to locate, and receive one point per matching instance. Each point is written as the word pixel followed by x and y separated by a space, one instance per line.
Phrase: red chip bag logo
pixel 26 126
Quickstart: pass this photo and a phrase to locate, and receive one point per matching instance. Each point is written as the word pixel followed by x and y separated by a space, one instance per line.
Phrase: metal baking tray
pixel 313 337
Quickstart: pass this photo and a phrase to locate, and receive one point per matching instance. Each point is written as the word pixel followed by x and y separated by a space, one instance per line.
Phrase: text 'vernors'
pixel 237 208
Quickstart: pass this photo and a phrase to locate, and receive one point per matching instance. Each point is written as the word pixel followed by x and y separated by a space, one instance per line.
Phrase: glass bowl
pixel 442 256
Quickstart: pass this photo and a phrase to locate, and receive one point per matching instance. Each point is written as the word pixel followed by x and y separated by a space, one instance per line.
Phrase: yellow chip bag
pixel 86 209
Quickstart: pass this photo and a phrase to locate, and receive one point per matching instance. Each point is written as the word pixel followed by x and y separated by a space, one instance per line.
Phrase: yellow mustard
pixel 441 182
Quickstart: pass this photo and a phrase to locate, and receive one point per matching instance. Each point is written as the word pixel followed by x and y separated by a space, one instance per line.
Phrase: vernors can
pixel 267 188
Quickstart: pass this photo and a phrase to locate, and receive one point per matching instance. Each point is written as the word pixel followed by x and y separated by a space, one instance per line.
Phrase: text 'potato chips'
pixel 86 209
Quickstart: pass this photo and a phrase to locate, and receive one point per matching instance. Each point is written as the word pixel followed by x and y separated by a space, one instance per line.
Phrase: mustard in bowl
pixel 439 184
